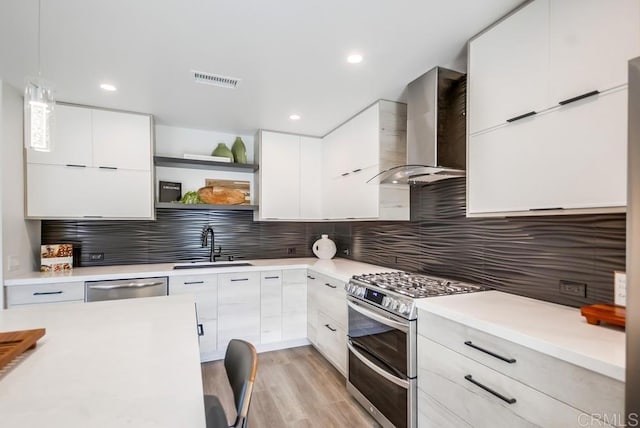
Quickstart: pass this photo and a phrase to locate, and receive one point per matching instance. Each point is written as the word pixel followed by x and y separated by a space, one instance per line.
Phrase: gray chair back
pixel 241 365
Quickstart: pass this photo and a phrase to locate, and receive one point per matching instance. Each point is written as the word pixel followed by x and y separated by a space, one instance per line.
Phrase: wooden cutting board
pixel 610 314
pixel 14 343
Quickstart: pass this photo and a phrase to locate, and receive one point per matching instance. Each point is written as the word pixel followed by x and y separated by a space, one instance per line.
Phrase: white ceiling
pixel 290 54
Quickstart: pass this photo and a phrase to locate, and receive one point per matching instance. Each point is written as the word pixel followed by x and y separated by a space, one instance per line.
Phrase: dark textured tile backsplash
pixel 521 255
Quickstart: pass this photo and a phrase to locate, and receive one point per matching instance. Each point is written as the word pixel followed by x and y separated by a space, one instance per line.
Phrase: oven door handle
pixel 391 378
pixel 380 318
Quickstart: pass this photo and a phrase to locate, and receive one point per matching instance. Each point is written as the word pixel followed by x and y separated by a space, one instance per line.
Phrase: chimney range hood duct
pixel 436 130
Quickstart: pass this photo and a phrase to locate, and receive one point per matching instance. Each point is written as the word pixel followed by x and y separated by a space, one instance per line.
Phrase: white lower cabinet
pixel 294 304
pixel 470 378
pixel 271 306
pixel 204 288
pixel 35 294
pixel 327 318
pixel 238 308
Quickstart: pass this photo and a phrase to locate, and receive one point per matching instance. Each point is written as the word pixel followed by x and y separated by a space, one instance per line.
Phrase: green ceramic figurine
pixel 239 151
pixel 223 151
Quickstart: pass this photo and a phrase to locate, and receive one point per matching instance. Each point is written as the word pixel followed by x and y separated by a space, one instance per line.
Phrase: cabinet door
pixel 332 341
pixel 310 178
pixel 279 176
pixel 121 140
pixel 207 337
pixel 314 282
pixel 294 304
pixel 72 138
pixel 508 68
pixel 238 308
pixel 353 197
pixel 271 307
pixel 591 43
pixel 555 160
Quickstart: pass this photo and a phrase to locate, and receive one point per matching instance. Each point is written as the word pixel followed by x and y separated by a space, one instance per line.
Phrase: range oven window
pixel 386 345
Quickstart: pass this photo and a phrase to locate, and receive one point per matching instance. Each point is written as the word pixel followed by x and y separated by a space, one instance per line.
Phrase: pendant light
pixel 38 107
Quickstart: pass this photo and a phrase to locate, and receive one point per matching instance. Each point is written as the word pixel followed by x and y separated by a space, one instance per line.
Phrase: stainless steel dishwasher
pixel 96 291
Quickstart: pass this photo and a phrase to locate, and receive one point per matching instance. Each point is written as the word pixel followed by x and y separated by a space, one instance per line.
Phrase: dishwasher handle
pixel 127 285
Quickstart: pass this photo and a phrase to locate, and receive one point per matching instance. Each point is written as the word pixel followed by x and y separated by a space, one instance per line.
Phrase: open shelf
pixel 203 164
pixel 179 206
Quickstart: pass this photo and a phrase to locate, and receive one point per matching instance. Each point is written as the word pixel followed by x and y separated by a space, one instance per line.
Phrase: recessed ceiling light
pixel 354 58
pixel 294 117
pixel 108 87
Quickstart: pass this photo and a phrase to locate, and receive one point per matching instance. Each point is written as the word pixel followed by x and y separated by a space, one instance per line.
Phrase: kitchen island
pixel 109 364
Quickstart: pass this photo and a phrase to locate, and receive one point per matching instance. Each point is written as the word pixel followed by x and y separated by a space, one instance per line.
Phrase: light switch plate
pixel 13 263
pixel 620 288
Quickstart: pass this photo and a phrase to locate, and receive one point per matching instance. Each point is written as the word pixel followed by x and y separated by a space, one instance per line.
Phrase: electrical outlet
pixel 573 288
pixel 291 250
pixel 346 252
pixel 620 288
pixel 96 257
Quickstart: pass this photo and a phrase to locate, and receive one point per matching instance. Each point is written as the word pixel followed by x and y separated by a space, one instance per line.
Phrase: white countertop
pixel 108 364
pixel 338 268
pixel 552 329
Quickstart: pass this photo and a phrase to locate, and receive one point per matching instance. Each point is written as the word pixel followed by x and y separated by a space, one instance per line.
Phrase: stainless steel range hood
pixel 436 130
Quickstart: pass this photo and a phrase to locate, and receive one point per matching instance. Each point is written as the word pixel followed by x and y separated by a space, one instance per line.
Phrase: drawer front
pixel 583 389
pixel 294 276
pixel 226 279
pixel 432 414
pixel 331 298
pixel 332 341
pixel 272 277
pixel 204 288
pixel 45 293
pixel 470 390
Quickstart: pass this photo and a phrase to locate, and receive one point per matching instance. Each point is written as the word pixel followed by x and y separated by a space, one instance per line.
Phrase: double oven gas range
pixel 382 362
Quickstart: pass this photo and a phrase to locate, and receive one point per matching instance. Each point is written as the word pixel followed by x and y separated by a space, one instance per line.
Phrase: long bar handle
pixel 522 116
pixel 331 328
pixel 129 285
pixel 330 285
pixel 193 282
pixel 578 98
pixel 45 293
pixel 200 330
pixel 489 390
pixel 493 354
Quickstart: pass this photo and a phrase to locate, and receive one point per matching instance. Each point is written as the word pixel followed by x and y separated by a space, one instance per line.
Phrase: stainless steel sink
pixel 208 265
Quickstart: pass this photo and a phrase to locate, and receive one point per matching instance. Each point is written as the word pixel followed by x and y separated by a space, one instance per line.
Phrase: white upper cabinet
pixel 591 42
pixel 571 155
pixel 289 176
pixel 508 68
pixel 72 138
pixel 99 167
pixel 121 140
pixel 310 178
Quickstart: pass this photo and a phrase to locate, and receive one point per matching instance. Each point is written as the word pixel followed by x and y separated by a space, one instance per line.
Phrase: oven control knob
pixel 393 304
pixel 386 302
pixel 361 291
pixel 403 309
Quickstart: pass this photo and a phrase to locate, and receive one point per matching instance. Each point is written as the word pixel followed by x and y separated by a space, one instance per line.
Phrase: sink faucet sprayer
pixel 204 241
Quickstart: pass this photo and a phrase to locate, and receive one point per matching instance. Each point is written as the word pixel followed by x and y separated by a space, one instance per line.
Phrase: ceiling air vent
pixel 215 79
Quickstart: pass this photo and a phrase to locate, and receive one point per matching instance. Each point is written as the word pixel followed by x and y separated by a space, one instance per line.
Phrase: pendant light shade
pixel 38 116
pixel 38 108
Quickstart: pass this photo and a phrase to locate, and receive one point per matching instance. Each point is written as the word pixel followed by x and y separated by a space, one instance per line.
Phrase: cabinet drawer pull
pixel 111 168
pixel 357 170
pixel 344 174
pixel 330 285
pixel 311 277
pixel 271 277
pixel 91 216
pixel 522 116
pixel 489 390
pixel 546 209
pixel 331 328
pixel 493 354
pixel 200 330
pixel 578 98
pixel 73 165
pixel 239 279
pixel 193 282
pixel 46 293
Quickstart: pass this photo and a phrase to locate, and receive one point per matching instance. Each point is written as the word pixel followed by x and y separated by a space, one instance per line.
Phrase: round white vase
pixel 324 248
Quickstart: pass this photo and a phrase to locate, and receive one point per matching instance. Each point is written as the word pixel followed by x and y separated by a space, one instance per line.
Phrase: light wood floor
pixel 294 387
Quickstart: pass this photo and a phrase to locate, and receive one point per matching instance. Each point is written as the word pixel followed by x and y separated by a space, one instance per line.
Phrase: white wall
pixel 20 238
pixel 175 142
pixel 1 150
